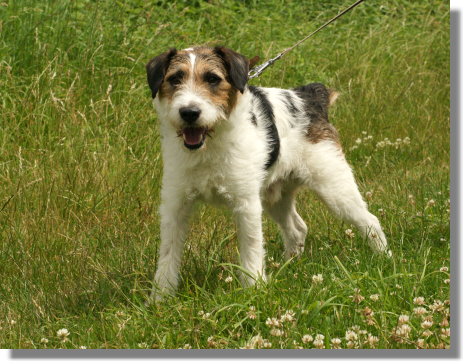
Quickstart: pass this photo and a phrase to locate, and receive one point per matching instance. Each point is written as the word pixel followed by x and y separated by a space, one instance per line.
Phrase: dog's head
pixel 196 88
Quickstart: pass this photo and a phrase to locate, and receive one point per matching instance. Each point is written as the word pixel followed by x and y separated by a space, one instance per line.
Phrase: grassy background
pixel 80 176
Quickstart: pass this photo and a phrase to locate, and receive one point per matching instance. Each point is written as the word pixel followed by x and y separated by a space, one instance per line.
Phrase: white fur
pixel 229 170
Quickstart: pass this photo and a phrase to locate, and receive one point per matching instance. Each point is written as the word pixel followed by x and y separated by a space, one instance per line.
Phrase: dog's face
pixel 196 88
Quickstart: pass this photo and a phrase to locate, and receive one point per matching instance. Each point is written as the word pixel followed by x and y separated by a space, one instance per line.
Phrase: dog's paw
pixel 152 300
pixel 295 252
pixel 386 253
pixel 156 297
pixel 249 280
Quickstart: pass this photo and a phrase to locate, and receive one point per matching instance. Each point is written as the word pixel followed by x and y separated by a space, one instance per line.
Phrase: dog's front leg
pixel 174 211
pixel 252 254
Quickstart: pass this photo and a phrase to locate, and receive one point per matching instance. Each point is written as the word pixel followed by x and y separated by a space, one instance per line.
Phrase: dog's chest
pixel 219 195
pixel 213 191
pixel 213 186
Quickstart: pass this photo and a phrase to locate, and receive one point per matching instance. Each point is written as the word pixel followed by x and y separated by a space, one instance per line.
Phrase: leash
pixel 257 71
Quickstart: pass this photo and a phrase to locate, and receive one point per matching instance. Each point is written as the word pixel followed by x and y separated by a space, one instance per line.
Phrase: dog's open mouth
pixel 193 137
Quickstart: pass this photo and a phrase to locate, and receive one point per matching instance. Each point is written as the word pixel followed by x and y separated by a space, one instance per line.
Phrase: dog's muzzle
pixel 193 136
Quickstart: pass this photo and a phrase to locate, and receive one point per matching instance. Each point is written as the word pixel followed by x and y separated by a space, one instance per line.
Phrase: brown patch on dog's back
pixel 322 131
pixel 317 99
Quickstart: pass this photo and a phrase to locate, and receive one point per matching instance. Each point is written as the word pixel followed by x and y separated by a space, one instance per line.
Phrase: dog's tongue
pixel 192 136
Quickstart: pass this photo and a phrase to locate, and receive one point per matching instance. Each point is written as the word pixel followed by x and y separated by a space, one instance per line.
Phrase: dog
pixel 249 148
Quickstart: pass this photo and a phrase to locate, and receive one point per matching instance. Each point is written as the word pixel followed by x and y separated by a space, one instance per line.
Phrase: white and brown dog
pixel 249 148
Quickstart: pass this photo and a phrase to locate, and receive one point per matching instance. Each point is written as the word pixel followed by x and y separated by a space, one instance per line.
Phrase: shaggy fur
pixel 249 148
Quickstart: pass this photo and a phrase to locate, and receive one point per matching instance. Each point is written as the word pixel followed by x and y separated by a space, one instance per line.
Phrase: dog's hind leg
pixel 280 205
pixel 331 177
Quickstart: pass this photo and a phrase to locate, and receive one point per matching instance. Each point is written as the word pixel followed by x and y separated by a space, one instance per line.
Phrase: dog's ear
pixel 253 61
pixel 156 69
pixel 236 65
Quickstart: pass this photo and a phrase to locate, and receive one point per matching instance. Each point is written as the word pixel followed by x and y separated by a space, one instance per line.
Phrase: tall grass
pixel 80 172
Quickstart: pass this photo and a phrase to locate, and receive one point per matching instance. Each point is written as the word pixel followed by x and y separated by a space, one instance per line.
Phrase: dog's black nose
pixel 189 113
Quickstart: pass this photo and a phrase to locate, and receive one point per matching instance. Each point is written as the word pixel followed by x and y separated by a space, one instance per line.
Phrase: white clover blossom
pixel 267 344
pixel 288 316
pixel 252 313
pixel 317 279
pixel 272 322
pixel 426 324
pixel 351 335
pixel 403 319
pixel 427 333
pixel 307 338
pixel 276 332
pixel 445 332
pixel 374 297
pixel 420 311
pixel 421 343
pixel 63 334
pixel 256 341
pixel 372 340
pixel 403 331
pixel 431 203
pixel 351 345
pixel 319 341
pixel 350 233
pixel 336 343
pixel 437 306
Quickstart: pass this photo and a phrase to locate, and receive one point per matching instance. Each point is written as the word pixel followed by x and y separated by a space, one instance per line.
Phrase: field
pixel 80 170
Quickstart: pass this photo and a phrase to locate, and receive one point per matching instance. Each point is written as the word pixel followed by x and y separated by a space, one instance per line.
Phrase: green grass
pixel 80 172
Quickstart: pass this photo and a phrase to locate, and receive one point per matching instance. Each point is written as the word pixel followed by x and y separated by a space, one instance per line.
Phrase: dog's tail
pixel 332 97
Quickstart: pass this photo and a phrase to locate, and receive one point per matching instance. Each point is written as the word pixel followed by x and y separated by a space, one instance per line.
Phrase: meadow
pixel 80 170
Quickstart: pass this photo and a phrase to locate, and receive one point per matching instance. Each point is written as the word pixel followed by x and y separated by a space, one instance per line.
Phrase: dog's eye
pixel 212 79
pixel 176 79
